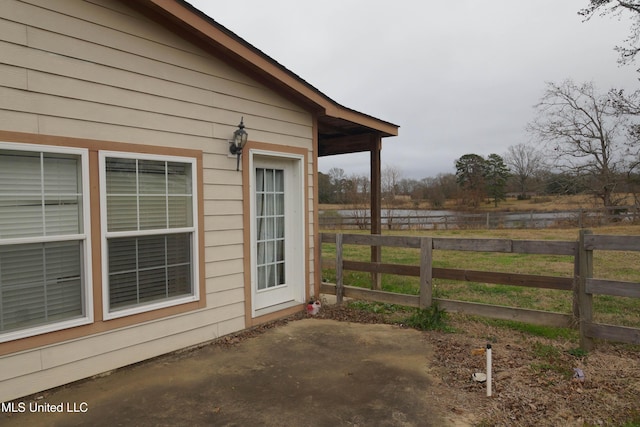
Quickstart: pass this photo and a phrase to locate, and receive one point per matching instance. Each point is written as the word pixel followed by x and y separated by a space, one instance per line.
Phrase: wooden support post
pixel 318 257
pixel 376 206
pixel 339 274
pixel 576 288
pixel 585 300
pixel 426 269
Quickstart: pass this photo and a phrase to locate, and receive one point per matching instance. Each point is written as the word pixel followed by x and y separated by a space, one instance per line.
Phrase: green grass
pixel 429 319
pixel 614 265
pixel 534 330
pixel 377 307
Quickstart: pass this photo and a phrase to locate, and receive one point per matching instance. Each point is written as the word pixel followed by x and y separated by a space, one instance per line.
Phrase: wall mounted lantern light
pixel 237 143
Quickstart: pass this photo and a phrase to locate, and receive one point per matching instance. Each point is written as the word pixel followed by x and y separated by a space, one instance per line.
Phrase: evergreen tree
pixel 470 178
pixel 496 174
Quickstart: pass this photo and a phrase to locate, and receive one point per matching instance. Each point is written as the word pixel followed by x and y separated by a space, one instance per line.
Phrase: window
pixel 44 240
pixel 149 232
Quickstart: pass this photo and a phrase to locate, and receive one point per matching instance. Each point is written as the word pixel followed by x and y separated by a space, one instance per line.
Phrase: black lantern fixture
pixel 237 143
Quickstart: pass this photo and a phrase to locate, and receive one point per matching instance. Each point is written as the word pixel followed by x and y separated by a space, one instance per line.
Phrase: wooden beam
pixel 376 205
pixel 426 272
pixel 614 333
pixel 613 287
pixel 344 144
pixel 535 317
pixel 612 243
pixel 585 300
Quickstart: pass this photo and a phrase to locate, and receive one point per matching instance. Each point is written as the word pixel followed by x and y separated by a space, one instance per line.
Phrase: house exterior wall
pixel 99 75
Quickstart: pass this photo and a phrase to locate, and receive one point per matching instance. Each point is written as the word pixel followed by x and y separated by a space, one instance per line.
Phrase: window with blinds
pixel 43 242
pixel 148 232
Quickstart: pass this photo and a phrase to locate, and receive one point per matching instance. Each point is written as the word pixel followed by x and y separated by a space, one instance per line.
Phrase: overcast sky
pixel 458 77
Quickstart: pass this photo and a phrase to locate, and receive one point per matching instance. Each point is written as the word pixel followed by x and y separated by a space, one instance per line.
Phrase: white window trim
pixel 104 234
pixel 85 237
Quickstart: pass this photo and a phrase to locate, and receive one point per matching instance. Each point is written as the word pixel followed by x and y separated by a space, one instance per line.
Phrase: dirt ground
pixel 343 368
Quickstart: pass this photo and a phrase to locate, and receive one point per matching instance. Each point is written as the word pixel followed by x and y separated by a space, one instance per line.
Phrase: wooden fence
pixel 582 286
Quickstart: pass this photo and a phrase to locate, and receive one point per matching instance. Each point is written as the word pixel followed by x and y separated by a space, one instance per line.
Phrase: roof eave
pixel 239 51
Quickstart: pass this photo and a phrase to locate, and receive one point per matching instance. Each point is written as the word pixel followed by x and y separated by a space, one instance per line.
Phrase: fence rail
pixel 582 286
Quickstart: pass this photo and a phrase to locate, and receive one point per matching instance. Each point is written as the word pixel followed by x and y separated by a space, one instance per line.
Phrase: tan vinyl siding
pixel 100 70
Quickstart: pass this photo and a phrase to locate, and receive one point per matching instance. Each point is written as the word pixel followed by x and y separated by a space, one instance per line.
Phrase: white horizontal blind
pixel 158 266
pixel 148 261
pixel 41 279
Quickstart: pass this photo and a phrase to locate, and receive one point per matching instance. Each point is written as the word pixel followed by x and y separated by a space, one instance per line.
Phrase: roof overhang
pixel 340 129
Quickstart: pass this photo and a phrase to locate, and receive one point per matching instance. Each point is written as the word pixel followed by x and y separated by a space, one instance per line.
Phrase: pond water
pixel 410 218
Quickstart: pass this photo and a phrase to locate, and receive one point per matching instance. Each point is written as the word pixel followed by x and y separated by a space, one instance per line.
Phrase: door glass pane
pixel 268 180
pixel 269 227
pixel 279 234
pixel 259 180
pixel 270 199
pixel 279 180
pixel 279 204
pixel 261 277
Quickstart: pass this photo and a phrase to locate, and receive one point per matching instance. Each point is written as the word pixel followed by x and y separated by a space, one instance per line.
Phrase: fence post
pixel 575 309
pixel 585 300
pixel 426 276
pixel 339 279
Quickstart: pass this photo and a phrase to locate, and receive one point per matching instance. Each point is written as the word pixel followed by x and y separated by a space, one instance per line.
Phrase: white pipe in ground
pixel 488 370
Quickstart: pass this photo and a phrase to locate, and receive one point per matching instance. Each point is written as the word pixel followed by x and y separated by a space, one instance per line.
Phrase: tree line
pixel 589 143
pixel 522 172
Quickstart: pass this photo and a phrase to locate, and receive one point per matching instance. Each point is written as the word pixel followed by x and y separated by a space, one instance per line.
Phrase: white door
pixel 277 234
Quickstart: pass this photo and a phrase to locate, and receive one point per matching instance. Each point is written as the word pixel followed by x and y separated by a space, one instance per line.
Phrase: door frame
pixel 299 158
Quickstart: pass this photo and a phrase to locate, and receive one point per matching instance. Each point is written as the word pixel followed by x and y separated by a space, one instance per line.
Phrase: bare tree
pixel 525 162
pixel 626 104
pixel 338 182
pixel 390 183
pixel 586 134
pixel 359 196
pixel 617 8
pixel 437 190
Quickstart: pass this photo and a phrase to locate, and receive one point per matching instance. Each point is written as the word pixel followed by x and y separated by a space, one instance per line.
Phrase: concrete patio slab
pixel 310 372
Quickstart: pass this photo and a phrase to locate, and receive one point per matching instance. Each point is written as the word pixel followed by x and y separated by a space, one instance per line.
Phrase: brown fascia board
pixel 187 18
